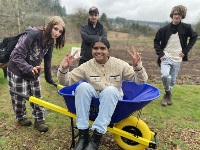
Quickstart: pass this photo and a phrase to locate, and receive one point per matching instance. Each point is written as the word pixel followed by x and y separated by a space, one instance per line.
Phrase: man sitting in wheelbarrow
pixel 104 75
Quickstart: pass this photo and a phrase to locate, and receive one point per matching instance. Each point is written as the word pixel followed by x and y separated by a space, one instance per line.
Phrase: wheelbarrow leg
pixel 73 133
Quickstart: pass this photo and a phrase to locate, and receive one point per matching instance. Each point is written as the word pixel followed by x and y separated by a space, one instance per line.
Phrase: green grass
pixel 174 124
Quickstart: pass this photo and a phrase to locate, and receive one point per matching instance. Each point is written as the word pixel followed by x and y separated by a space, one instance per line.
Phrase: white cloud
pixel 147 10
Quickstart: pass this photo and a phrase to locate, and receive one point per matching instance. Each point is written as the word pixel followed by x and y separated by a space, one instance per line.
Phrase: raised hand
pixel 69 59
pixel 135 56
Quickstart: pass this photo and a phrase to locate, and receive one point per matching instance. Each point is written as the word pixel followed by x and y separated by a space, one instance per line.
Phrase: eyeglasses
pixel 175 14
pixel 101 48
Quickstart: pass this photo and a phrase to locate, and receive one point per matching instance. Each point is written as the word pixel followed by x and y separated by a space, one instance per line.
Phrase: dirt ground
pixel 189 72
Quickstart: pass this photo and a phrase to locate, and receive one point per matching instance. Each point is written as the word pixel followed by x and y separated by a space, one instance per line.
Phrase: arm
pixel 64 76
pixel 138 73
pixel 86 37
pixel 157 44
pixel 20 52
pixel 193 37
pixel 47 67
pixel 104 33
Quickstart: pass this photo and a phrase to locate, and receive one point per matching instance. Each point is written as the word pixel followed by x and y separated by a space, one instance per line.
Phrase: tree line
pixel 17 15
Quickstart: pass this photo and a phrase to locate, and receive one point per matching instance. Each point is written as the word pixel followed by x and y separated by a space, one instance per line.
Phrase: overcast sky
pixel 147 10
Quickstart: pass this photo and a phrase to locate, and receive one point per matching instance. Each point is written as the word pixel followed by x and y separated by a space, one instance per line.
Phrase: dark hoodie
pixel 89 34
pixel 28 53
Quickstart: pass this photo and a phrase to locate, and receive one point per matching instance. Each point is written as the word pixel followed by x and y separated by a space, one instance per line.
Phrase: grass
pixel 177 125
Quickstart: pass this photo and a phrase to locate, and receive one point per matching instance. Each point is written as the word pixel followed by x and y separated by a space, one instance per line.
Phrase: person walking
pixel 90 31
pixel 24 68
pixel 172 44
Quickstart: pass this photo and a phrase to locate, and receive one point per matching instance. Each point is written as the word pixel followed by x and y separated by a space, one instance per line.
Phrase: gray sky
pixel 147 10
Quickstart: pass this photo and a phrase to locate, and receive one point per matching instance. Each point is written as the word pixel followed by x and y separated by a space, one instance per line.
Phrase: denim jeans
pixel 169 72
pixel 108 99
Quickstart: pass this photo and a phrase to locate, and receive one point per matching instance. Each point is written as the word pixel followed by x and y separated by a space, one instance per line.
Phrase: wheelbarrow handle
pixel 59 86
pixel 19 94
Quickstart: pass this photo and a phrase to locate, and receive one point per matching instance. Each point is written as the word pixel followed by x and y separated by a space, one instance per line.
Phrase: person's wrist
pixel 138 66
pixel 62 69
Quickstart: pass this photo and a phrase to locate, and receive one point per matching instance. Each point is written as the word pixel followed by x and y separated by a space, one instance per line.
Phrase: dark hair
pixel 180 9
pixel 60 41
pixel 103 40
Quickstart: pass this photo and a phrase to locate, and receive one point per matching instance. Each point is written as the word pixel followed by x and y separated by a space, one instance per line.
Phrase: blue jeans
pixel 108 99
pixel 169 72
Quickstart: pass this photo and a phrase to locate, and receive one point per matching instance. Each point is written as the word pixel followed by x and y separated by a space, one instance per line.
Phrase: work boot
pixel 40 126
pixel 164 100
pixel 83 139
pixel 94 141
pixel 25 122
pixel 169 97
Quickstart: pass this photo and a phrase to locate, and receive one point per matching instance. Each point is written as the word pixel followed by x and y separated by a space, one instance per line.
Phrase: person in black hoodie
pixel 24 68
pixel 90 32
pixel 172 44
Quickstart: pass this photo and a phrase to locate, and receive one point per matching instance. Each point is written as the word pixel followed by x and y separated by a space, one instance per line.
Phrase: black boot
pixel 94 141
pixel 83 139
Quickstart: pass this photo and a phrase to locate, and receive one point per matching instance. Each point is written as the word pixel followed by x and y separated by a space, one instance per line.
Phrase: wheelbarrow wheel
pixel 134 126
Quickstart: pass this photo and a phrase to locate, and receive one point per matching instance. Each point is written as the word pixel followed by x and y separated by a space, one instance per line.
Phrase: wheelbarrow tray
pixel 136 96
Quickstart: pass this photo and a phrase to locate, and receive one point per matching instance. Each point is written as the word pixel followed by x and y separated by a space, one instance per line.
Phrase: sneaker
pixel 40 126
pixel 25 122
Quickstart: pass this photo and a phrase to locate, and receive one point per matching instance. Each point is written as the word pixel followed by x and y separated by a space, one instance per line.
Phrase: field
pixel 189 72
pixel 177 125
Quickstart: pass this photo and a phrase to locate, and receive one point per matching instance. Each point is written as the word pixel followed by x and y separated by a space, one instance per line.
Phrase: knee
pixel 111 90
pixel 84 86
pixel 165 75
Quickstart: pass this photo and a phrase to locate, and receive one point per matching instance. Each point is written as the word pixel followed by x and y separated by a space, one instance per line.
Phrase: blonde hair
pixel 180 9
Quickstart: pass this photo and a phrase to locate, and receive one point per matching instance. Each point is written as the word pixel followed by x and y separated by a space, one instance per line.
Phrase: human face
pixel 57 30
pixel 100 52
pixel 176 18
pixel 93 17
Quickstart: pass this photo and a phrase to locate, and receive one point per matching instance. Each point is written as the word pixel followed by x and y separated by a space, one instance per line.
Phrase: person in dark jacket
pixel 90 32
pixel 172 44
pixel 24 68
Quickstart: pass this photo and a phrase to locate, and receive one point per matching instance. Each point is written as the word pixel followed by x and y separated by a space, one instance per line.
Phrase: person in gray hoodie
pixel 24 68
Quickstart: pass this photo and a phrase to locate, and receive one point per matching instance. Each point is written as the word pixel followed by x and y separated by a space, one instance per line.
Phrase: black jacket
pixel 185 31
pixel 89 34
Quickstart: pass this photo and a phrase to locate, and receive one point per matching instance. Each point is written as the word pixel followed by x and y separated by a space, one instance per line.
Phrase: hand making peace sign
pixel 135 56
pixel 69 59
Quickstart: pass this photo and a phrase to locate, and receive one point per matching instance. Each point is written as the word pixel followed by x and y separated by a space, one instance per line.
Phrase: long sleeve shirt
pixel 100 76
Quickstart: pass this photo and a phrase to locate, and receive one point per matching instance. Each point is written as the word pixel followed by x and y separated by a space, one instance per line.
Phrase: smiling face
pixel 57 30
pixel 100 52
